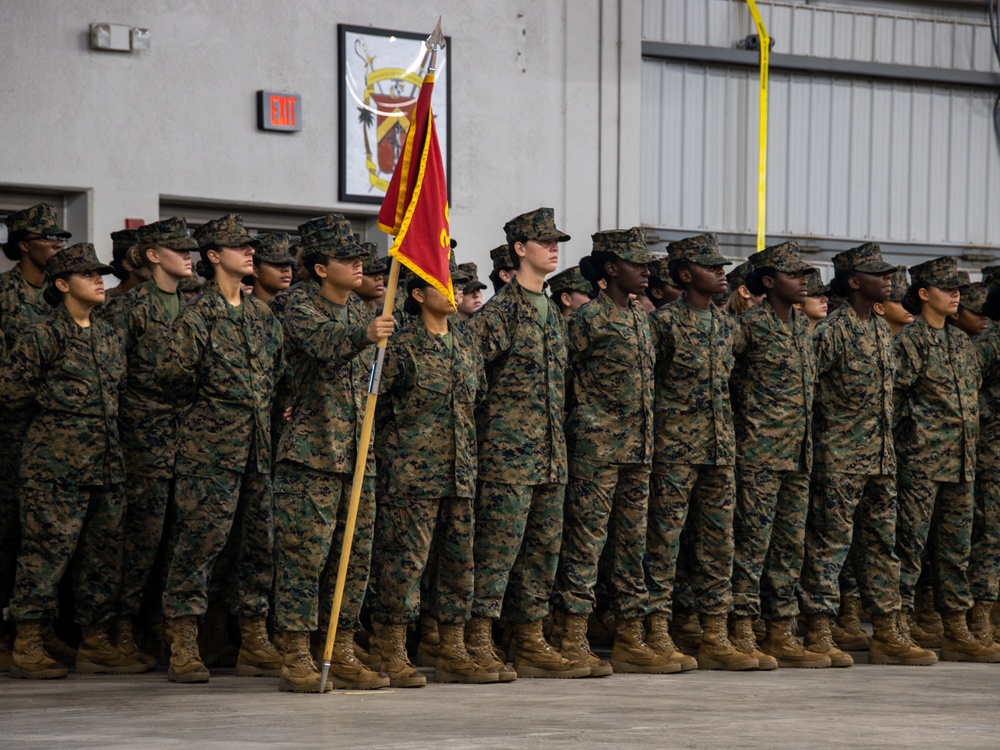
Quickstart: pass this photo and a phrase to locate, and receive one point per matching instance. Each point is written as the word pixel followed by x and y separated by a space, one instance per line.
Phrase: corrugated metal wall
pixel 848 158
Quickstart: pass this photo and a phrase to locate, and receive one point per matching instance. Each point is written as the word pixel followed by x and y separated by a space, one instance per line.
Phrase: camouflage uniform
pixel 772 389
pixel 20 304
pixel 694 449
pixel 937 413
pixel 609 434
pixel 121 242
pixel 71 466
pixel 984 564
pixel 222 362
pixel 148 420
pixel 569 280
pixel 522 447
pixel 854 461
pixel 428 425
pixel 330 361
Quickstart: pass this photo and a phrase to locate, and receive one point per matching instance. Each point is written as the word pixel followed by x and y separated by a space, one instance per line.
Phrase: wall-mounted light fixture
pixel 118 37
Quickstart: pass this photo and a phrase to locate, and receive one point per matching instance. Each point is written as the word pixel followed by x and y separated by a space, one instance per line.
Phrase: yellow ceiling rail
pixel 765 50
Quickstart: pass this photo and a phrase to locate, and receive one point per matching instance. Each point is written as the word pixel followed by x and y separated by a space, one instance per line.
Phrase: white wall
pixel 544 108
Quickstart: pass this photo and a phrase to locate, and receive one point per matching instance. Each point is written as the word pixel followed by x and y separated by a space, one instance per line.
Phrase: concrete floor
pixel 944 706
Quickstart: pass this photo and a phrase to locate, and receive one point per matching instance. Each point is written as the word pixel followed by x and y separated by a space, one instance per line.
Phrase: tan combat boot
pixel 847 631
pixel 123 636
pixel 979 622
pixel 924 638
pixel 534 657
pixel 430 641
pixel 658 637
pixel 685 631
pixel 926 626
pixel 819 640
pixel 479 644
pixel 185 660
pixel 454 663
pixel 958 644
pixel 744 640
pixel 717 651
pixel 570 636
pixel 891 646
pixel 56 647
pixel 346 670
pixel 258 656
pixel 29 659
pixel 782 644
pixel 98 655
pixel 299 673
pixel 395 661
pixel 632 655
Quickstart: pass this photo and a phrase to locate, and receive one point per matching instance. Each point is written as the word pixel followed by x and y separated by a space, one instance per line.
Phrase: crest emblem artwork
pixel 380 76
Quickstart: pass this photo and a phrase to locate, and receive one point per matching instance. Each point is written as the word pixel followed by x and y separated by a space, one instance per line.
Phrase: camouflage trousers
pixel 844 508
pixel 409 528
pixel 936 516
pixel 145 514
pixel 699 499
pixel 984 563
pixel 310 517
pixel 769 528
pixel 615 494
pixel 63 523
pixel 12 432
pixel 216 506
pixel 518 530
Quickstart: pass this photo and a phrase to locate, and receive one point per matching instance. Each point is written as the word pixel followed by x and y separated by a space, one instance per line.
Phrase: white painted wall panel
pixel 847 159
pixel 956 38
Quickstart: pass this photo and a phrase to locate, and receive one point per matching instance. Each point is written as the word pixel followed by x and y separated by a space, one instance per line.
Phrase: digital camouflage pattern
pixel 738 276
pixel 612 500
pixel 539 224
pixel 146 501
pixel 412 526
pixel 310 514
pixel 62 523
pixel 39 219
pixel 769 526
pixel 627 244
pixel 692 416
pixel 936 401
pixel 702 249
pixel 500 256
pixel 329 364
pixel 900 283
pixel 149 415
pixel 940 272
pixel 224 362
pixel 171 233
pixel 274 249
pixel 427 413
pixel 782 257
pixel 851 528
pixel 516 550
pixel 974 297
pixel 569 280
pixel 373 264
pixel 78 258
pixel 520 423
pixel 227 231
pixel 853 414
pixel 609 411
pixel 471 272
pixel 332 236
pixel 984 566
pixel 866 258
pixel 71 377
pixel 772 386
pixel 693 457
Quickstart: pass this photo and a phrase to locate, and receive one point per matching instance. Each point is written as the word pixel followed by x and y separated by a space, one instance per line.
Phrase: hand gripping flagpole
pixel 434 42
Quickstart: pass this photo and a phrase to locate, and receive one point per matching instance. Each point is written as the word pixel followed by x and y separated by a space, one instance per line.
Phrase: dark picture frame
pixel 379 74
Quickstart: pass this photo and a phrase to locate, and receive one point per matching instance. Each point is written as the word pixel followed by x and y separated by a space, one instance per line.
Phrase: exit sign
pixel 277 111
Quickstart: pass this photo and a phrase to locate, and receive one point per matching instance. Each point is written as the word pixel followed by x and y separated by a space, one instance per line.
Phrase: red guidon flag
pixel 415 208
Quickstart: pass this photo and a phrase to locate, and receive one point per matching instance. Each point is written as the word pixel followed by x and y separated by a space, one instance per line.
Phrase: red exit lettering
pixel 283 111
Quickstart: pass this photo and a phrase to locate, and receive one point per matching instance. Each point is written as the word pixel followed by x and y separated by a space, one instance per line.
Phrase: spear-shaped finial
pixel 435 42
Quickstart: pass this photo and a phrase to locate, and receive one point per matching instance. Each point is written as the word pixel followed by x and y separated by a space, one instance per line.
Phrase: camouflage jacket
pixel 17 307
pixel 520 423
pixel 988 346
pixel 72 375
pixel 693 415
pixel 853 416
pixel 937 401
pixel 329 363
pixel 427 413
pixel 148 418
pixel 224 361
pixel 609 408
pixel 772 390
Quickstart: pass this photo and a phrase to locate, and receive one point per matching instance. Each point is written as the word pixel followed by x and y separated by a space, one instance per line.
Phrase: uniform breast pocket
pixel 229 352
pixel 940 375
pixel 434 376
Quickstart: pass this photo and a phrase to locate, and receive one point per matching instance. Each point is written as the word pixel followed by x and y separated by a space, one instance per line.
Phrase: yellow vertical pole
pixel 765 50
